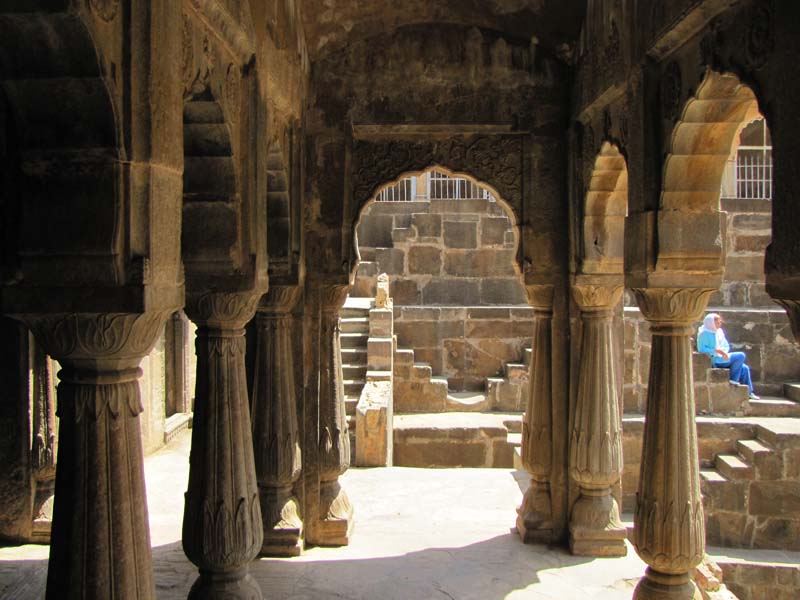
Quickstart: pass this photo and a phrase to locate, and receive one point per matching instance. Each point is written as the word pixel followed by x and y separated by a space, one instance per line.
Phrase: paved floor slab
pixel 420 534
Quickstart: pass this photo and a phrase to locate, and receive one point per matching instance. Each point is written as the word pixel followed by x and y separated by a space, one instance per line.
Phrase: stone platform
pixel 456 439
pixel 419 533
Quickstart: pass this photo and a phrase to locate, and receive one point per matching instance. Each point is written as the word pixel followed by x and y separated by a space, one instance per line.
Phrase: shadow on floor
pixel 487 570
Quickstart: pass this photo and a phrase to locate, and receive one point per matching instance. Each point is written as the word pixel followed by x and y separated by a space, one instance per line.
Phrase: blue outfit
pixel 707 342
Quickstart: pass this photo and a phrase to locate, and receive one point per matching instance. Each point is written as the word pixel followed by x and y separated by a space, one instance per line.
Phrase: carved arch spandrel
pixel 495 162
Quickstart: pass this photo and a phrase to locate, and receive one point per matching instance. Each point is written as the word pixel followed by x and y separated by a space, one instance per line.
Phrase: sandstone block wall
pixel 748 232
pixel 464 344
pixel 458 301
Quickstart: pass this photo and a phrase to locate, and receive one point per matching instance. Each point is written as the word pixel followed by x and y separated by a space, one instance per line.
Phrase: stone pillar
pixel 669 532
pixel 222 529
pixel 43 447
pixel 535 516
pixel 595 451
pixel 100 540
pixel 275 434
pixel 335 510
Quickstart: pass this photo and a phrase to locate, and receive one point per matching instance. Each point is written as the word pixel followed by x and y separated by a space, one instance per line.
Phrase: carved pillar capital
pixel 96 341
pixel 540 296
pixel 672 308
pixel 280 299
pixel 331 296
pixel 596 297
pixel 222 310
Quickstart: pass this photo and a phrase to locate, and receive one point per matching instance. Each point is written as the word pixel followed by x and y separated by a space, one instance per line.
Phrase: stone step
pixel 792 390
pixel 514 424
pixel 176 423
pixel 403 356
pixel 421 370
pixel 467 402
pixel 516 372
pixel 750 449
pixel 527 357
pixel 771 406
pixel 515 439
pixel 354 324
pixel 354 372
pixel 455 439
pixel 354 356
pixel 712 477
pixel 780 433
pixel 353 387
pixel 353 340
pixel 350 403
pixel 733 467
pixel 758 573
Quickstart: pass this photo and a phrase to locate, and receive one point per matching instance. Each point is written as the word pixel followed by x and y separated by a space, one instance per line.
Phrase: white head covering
pixel 708 324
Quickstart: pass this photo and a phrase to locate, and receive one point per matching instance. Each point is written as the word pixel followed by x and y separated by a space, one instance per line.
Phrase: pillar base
pixel 236 585
pixel 595 528
pixel 283 527
pixel 337 526
pixel 534 517
pixel 662 586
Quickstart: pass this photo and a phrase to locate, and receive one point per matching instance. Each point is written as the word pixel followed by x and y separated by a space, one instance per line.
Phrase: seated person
pixel 711 340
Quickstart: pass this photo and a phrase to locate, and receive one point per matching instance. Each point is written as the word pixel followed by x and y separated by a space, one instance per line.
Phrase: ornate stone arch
pixel 698 148
pixel 493 161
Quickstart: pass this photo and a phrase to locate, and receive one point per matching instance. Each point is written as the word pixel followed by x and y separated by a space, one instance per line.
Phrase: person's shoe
pixel 754 397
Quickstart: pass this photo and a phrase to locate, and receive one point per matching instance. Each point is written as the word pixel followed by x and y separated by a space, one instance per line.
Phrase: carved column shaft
pixel 275 434
pixel 535 515
pixel 335 510
pixel 669 532
pixel 222 528
pixel 100 541
pixel 595 444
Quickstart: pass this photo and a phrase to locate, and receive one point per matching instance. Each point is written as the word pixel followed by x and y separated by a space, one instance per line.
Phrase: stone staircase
pixel 510 392
pixel 752 492
pixel 353 336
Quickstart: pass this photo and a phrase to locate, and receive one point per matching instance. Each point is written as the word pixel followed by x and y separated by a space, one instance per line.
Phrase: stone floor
pixel 420 534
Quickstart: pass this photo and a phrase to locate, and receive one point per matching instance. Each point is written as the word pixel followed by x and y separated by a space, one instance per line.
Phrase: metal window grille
pixel 754 172
pixel 402 191
pixel 444 187
pixel 438 186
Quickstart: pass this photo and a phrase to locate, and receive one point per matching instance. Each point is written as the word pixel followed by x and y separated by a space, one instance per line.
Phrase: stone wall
pixel 751 581
pixel 748 228
pixel 464 344
pixel 439 253
pixel 458 300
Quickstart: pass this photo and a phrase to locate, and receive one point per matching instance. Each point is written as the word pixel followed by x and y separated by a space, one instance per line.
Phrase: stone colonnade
pixel 669 530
